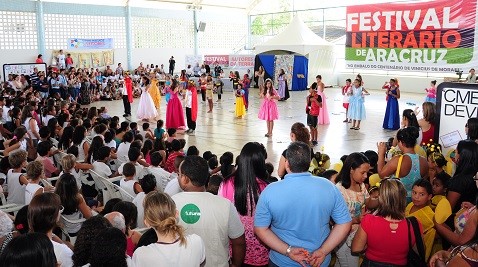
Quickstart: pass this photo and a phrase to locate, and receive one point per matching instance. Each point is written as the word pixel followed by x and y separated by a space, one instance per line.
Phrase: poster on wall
pixel 22 68
pixel 456 103
pixel 212 60
pixel 84 60
pixel 97 59
pixel 193 60
pixel 108 57
pixel 432 36
pixel 241 61
pixel 77 43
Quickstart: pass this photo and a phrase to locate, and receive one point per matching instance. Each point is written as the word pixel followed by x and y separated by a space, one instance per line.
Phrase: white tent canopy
pixel 296 37
pixel 299 39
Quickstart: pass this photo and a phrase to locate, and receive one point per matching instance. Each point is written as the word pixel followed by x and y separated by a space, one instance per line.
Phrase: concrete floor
pixel 220 131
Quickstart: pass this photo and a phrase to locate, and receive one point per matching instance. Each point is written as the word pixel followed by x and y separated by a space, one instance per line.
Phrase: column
pixel 40 27
pixel 129 37
pixel 196 43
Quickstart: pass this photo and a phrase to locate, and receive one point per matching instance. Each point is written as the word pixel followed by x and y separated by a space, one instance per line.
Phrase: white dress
pixel 146 108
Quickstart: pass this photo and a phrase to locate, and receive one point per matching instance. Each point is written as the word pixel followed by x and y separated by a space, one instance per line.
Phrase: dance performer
pixel 246 83
pixel 209 93
pixel 324 114
pixel 203 84
pixel 191 107
pixel 240 106
pixel 174 111
pixel 154 91
pixel 260 78
pixel 345 93
pixel 356 106
pixel 391 121
pixel 282 87
pixel 314 102
pixel 127 93
pixel 431 92
pixel 268 110
pixel 167 88
pixel 146 108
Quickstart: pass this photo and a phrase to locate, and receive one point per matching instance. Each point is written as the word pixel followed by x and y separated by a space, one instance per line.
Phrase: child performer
pixel 345 92
pixel 167 88
pixel 191 107
pixel 431 92
pixel 268 110
pixel 174 111
pixel 240 107
pixel 357 107
pixel 154 90
pixel 246 83
pixel 203 84
pixel 219 85
pixel 314 103
pixel 127 95
pixel 209 94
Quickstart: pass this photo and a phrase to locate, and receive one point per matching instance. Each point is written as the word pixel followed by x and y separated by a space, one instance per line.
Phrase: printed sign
pixel 190 213
pixel 241 61
pixel 76 43
pixel 456 103
pixel 432 36
pixel 212 60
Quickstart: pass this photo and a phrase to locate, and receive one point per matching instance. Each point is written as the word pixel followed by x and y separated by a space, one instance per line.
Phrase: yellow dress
pixel 425 217
pixel 240 106
pixel 154 92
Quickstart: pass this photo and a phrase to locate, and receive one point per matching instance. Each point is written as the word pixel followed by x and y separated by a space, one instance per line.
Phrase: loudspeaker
pixel 202 26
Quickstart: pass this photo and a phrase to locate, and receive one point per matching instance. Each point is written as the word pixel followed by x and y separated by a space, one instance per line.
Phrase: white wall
pixel 17 56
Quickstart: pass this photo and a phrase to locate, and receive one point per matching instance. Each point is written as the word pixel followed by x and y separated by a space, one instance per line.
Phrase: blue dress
pixel 392 116
pixel 356 104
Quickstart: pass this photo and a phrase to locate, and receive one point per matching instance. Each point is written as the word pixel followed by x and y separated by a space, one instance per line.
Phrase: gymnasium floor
pixel 220 131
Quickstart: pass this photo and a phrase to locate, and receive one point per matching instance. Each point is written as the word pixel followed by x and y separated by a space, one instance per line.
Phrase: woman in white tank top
pixel 30 123
pixel 79 139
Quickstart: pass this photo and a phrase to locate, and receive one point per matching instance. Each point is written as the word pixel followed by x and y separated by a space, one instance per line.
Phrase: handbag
pixel 415 259
pixel 397 172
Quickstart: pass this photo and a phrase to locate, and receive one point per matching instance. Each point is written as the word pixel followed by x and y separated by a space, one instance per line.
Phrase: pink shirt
pixel 48 166
pixel 256 253
pixel 432 92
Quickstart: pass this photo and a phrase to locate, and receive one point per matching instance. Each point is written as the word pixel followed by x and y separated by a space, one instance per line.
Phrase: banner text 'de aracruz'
pixel 423 33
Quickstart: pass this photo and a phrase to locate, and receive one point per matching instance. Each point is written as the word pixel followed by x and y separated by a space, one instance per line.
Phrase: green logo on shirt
pixel 190 214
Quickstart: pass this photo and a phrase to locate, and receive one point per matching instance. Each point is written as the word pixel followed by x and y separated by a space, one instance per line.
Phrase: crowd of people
pixel 181 207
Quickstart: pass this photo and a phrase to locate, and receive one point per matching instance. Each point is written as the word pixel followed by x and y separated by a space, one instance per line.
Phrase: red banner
pixel 212 60
pixel 429 35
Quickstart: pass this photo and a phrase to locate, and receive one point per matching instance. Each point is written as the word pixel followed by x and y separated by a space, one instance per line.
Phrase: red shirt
pixel 39 60
pixel 382 244
pixel 169 166
pixel 314 107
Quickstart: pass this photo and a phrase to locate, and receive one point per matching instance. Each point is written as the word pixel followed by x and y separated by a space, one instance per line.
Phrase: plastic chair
pixel 12 207
pixel 71 238
pixel 109 189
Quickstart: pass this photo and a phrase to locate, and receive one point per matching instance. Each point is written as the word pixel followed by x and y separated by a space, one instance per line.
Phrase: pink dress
pixel 324 114
pixel 256 253
pixel 268 110
pixel 174 113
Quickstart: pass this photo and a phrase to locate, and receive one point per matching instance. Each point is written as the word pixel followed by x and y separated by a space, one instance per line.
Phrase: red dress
pixel 174 113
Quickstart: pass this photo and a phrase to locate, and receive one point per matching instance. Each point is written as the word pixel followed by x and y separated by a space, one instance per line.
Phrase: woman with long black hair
pixel 243 188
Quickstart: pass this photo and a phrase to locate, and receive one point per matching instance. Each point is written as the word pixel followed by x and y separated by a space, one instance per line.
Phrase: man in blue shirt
pixel 292 216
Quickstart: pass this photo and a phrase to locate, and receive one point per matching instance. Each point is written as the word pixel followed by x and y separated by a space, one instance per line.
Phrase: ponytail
pixel 301 132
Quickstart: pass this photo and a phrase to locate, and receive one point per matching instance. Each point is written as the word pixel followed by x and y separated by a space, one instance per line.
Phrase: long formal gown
pixel 356 104
pixel 154 92
pixel 391 121
pixel 268 110
pixel 324 113
pixel 174 112
pixel 281 86
pixel 146 108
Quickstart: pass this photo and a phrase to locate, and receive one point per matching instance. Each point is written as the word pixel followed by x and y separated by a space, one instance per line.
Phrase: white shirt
pixel 81 152
pixel 16 191
pixel 214 219
pixel 61 59
pixel 5 114
pixel 128 186
pixel 139 170
pixel 102 169
pixel 26 123
pixel 63 254
pixel 190 254
pixel 162 176
pixel 45 119
pixel 189 99
pixel 122 152
pixel 172 188
pixel 30 190
pixel 75 174
pixel 138 201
